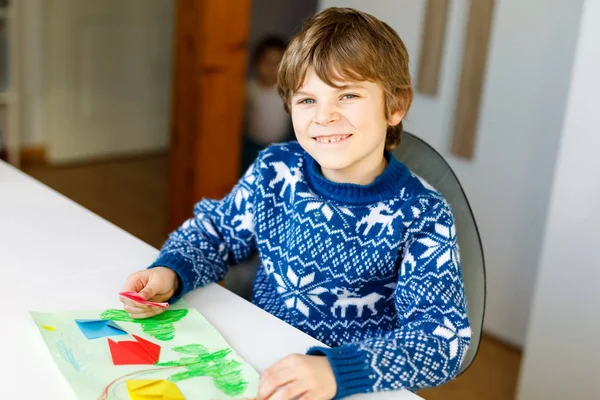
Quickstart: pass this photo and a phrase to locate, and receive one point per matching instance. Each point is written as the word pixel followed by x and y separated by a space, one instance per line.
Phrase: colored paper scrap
pixel 136 297
pixel 146 389
pixel 138 352
pixel 98 328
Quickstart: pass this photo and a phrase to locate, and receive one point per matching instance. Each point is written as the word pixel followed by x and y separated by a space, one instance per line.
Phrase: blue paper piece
pixel 97 328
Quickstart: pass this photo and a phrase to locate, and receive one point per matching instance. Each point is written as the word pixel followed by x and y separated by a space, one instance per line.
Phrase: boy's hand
pixel 298 377
pixel 155 284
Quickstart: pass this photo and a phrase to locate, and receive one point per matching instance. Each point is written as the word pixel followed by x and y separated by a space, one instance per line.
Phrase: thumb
pixel 148 292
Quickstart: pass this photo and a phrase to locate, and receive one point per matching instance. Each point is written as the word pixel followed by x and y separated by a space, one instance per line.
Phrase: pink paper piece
pixel 136 297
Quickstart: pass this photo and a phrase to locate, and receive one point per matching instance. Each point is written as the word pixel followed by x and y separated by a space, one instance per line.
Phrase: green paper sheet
pixel 193 355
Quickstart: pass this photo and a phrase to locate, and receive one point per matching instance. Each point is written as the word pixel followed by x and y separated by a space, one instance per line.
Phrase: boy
pixel 266 121
pixel 356 251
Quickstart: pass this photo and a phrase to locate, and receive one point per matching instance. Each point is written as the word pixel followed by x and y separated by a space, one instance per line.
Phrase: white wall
pixel 268 17
pixel 33 127
pixel 562 356
pixel 522 109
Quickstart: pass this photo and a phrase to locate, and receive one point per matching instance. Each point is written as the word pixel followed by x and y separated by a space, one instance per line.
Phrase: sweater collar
pixel 385 186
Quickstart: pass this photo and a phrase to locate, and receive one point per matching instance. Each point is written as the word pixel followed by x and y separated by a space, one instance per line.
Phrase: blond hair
pixel 344 44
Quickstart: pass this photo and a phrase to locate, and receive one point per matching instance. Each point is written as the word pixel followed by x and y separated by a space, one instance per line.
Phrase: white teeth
pixel 331 139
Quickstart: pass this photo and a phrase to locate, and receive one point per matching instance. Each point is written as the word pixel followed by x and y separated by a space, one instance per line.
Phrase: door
pixel 208 97
pixel 108 75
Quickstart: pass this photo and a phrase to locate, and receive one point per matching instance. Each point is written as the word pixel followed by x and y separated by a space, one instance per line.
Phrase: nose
pixel 326 113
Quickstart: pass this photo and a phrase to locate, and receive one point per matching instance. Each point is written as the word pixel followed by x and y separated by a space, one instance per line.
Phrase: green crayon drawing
pixel 160 326
pixel 226 374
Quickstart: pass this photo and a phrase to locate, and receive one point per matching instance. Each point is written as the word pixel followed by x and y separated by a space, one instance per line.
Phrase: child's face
pixel 344 129
pixel 268 65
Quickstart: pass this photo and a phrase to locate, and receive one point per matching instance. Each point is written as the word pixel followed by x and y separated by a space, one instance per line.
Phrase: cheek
pixel 300 121
pixel 274 67
pixel 262 68
pixel 369 119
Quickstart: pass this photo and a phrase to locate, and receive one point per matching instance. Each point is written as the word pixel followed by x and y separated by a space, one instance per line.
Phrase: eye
pixel 349 96
pixel 306 101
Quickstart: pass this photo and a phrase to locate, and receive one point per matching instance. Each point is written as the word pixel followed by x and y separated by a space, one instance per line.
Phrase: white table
pixel 56 255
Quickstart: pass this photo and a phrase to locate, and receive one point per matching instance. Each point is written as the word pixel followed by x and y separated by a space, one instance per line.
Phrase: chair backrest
pixel 424 161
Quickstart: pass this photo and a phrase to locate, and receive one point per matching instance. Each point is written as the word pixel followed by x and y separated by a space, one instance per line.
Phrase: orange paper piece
pixel 137 298
pixel 136 352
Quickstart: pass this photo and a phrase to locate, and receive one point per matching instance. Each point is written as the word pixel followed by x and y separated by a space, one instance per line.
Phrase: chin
pixel 332 162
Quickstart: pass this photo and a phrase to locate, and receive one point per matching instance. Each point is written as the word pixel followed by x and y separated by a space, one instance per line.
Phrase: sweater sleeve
pixel 220 234
pixel 434 332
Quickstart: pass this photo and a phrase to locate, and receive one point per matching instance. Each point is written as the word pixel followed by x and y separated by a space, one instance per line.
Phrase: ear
pixel 396 116
pixel 398 111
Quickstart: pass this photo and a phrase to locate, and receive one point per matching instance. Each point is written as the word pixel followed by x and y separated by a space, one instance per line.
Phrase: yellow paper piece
pixel 147 389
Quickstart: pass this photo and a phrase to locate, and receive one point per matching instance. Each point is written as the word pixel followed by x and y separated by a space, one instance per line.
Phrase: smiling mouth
pixel 331 139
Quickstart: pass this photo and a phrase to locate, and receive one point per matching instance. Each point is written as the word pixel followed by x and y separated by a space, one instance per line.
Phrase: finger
pixel 160 298
pixel 136 281
pixel 274 377
pixel 291 391
pixel 145 314
pixel 137 310
pixel 149 291
pixel 140 310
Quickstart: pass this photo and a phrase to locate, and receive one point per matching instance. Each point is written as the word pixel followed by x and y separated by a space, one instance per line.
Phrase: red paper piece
pixel 134 353
pixel 136 297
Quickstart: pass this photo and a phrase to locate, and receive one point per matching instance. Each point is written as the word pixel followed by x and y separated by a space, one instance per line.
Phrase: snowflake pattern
pixel 450 333
pixel 299 293
pixel 438 244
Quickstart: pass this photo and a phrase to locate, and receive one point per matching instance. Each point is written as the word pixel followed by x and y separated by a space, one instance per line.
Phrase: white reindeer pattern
pixel 347 298
pixel 289 176
pixel 246 222
pixel 376 217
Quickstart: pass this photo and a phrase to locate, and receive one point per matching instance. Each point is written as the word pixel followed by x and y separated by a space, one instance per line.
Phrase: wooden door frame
pixel 211 40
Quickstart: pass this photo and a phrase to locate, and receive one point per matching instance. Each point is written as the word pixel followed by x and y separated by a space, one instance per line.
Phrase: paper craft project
pixel 136 352
pixel 153 389
pixel 98 328
pixel 193 356
pixel 136 297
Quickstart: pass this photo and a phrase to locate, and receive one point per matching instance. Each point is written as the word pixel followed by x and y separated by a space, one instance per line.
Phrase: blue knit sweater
pixel 372 271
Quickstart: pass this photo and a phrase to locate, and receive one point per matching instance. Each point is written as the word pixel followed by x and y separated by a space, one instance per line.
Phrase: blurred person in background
pixel 266 121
